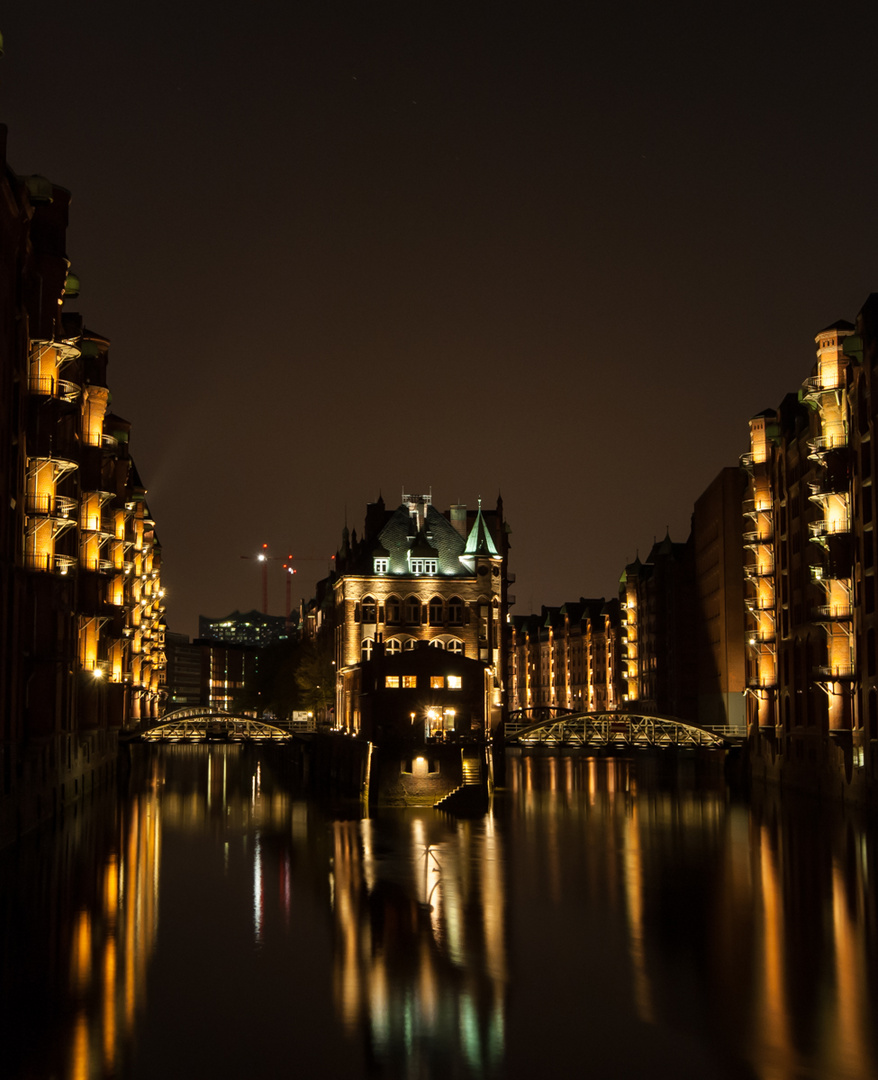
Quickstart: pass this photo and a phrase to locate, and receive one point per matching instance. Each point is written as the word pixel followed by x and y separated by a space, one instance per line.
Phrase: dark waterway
pixel 608 918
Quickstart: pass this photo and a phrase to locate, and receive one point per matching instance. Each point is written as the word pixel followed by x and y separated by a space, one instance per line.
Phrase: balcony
pixel 752 507
pixel 762 637
pixel 759 603
pixel 763 569
pixel 832 612
pixel 762 681
pixel 834 527
pixel 816 385
pixel 54 564
pixel 826 444
pixel 47 386
pixel 758 537
pixel 49 505
pixel 98 566
pixel 835 672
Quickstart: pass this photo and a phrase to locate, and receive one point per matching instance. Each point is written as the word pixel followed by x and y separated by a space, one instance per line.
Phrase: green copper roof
pixel 479 541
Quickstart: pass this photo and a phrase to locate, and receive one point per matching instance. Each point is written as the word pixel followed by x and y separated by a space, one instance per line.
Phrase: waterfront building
pixel 566 657
pixel 658 631
pixel 419 579
pixel 81 600
pixel 812 705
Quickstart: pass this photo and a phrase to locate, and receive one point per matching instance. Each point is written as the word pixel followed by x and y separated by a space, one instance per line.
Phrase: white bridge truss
pixel 199 724
pixel 613 729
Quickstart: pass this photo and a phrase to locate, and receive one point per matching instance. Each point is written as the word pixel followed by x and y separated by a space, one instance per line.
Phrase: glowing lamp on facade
pixel 97 673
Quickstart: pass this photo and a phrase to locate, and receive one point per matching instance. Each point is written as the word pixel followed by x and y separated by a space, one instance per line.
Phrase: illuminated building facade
pixel 658 631
pixel 421 580
pixel 567 657
pixel 82 642
pixel 812 698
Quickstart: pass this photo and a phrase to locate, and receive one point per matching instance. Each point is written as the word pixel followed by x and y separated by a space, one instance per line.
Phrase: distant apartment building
pixel 812 706
pixel 247 628
pixel 81 600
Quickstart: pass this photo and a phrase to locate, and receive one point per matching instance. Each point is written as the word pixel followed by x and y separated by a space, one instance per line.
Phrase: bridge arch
pixel 599 730
pixel 201 723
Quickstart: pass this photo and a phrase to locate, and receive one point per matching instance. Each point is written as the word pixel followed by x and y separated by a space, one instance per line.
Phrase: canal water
pixel 608 918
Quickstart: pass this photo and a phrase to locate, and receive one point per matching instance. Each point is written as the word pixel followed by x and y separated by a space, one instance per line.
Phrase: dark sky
pixel 561 251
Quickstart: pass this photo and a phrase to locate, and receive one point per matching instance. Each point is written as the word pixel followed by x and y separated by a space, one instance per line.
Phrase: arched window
pixel 455 611
pixel 366 649
pixel 393 646
pixel 393 609
pixel 437 611
pixel 437 643
pixel 412 610
pixel 370 612
pixel 455 646
pixel 409 644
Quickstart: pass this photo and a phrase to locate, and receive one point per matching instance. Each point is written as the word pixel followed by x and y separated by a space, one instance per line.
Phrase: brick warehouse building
pixel 81 602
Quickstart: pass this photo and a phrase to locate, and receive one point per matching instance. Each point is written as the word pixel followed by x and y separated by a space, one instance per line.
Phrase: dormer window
pixel 424 566
pixel 382 566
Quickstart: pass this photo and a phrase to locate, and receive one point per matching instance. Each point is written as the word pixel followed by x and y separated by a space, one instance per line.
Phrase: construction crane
pixel 264 558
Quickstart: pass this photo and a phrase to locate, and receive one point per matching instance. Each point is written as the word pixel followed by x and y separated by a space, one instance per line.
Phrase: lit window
pixel 431 566
pixel 391 682
pixel 370 610
pixel 455 646
pixel 410 681
pixel 437 682
pixel 382 566
pixel 366 649
pixel 417 566
pixel 392 646
pixel 455 682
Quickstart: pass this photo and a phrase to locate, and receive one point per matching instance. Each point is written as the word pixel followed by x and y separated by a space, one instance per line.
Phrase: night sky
pixel 559 251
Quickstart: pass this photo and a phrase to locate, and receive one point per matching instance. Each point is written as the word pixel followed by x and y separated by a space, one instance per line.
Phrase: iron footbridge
pixel 200 724
pixel 605 730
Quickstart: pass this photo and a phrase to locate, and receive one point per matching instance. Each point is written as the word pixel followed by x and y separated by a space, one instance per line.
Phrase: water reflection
pixel 420 950
pixel 629 914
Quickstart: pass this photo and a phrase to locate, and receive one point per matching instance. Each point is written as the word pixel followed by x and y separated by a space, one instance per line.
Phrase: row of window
pixel 411 611
pixel 397 645
pixel 410 682
pixel 416 566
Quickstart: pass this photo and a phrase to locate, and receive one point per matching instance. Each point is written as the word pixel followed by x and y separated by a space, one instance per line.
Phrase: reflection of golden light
pixel 79 1069
pixel 82 952
pixel 634 897
pixel 110 1005
pixel 849 1025
pixel 773 1012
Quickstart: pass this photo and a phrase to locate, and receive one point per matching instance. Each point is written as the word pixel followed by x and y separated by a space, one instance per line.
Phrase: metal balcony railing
pixel 833 527
pixel 758 537
pixel 762 681
pixel 49 505
pixel 815 385
pixel 54 564
pixel 833 612
pixel 835 672
pixel 760 570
